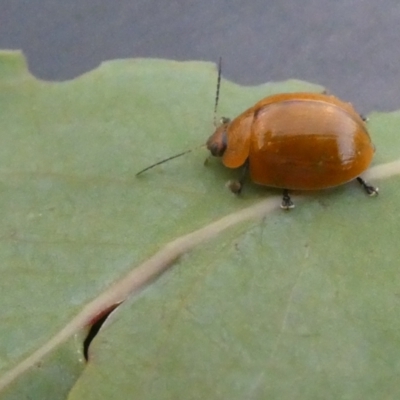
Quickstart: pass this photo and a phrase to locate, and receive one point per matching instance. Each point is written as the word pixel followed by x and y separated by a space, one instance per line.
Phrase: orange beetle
pixel 296 141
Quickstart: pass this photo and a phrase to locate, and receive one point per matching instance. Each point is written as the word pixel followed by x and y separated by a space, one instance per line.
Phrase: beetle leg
pixel 236 186
pixel 287 202
pixel 371 190
pixel 245 171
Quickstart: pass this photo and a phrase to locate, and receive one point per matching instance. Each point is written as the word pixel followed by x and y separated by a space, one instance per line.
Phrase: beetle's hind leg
pixel 370 190
pixel 287 202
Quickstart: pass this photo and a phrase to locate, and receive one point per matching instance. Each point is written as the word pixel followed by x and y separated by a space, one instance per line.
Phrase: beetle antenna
pixel 215 124
pixel 167 159
pixel 217 93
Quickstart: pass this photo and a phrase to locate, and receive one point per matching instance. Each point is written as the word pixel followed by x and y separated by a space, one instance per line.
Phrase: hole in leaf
pixel 95 325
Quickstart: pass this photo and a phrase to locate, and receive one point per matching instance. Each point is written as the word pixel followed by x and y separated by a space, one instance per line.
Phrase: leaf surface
pixel 273 305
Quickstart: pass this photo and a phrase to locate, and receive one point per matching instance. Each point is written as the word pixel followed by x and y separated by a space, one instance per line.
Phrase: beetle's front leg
pixel 236 186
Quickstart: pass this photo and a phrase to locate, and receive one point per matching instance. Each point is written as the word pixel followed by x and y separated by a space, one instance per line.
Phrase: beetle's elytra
pixel 296 141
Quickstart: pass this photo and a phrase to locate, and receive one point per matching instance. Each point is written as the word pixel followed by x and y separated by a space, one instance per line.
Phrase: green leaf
pixel 259 303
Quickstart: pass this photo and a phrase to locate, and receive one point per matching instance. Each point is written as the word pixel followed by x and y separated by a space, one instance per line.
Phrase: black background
pixel 352 47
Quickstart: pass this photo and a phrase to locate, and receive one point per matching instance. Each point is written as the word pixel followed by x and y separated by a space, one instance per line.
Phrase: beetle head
pixel 217 142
